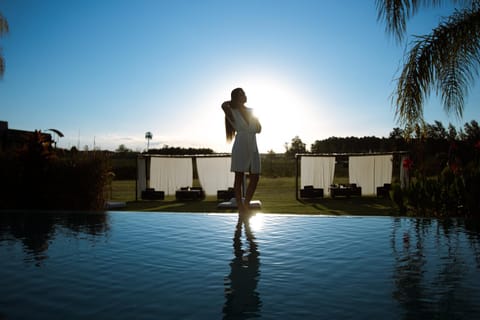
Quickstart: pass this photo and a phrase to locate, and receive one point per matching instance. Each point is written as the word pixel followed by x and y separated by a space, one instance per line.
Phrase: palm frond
pixel 410 91
pixel 458 41
pixel 3 30
pixel 445 61
pixel 396 13
pixel 2 65
pixel 3 25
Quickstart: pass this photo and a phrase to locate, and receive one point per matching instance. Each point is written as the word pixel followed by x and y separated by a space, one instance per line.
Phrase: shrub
pixel 35 178
pixel 77 184
pixel 452 193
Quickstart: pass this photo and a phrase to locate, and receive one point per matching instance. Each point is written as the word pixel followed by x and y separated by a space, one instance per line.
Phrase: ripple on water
pixel 143 265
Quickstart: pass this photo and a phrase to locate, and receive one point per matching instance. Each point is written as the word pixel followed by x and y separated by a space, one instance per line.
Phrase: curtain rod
pixel 333 154
pixel 216 155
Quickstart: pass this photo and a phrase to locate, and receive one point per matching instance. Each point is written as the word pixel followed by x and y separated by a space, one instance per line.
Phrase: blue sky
pixel 105 72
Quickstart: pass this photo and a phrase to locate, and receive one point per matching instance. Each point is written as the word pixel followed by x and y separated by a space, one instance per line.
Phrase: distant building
pixel 13 139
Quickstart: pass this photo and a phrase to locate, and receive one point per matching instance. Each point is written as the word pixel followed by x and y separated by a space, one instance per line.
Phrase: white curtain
pixel 361 171
pixel 383 170
pixel 141 177
pixel 317 172
pixel 370 172
pixel 170 174
pixel 214 174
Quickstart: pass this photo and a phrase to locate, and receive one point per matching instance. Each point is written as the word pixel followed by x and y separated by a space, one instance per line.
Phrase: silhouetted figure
pixel 243 125
pixel 242 299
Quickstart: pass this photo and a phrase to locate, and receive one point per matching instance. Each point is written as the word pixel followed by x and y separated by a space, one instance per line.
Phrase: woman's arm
pixel 258 126
pixel 226 105
pixel 228 111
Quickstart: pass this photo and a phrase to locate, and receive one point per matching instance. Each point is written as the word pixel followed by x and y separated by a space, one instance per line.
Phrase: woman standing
pixel 243 125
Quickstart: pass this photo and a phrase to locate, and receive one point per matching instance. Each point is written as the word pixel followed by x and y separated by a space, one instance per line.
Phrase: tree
pixel 297 146
pixel 122 149
pixel 148 136
pixel 445 61
pixel 396 133
pixel 436 131
pixel 452 132
pixel 58 135
pixel 3 31
pixel 472 131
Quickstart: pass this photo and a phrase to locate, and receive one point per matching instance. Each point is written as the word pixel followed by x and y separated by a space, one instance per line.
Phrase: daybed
pixel 345 190
pixel 190 193
pixel 311 192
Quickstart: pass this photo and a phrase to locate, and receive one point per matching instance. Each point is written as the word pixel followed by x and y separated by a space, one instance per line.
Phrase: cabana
pixel 369 174
pixel 160 175
pixel 172 174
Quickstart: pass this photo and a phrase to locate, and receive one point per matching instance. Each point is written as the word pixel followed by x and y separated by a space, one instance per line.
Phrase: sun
pixel 281 109
pixel 284 109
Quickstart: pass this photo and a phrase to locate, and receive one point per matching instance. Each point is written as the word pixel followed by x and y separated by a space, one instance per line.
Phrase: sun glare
pixel 281 110
pixel 256 222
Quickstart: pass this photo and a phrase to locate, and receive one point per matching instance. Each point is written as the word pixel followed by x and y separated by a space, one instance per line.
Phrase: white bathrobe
pixel 245 156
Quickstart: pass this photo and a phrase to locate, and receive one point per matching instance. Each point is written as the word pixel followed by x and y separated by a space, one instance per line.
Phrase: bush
pixel 34 178
pixel 399 198
pixel 77 184
pixel 450 194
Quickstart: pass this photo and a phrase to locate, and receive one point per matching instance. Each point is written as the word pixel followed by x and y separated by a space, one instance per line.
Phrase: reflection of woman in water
pixel 243 125
pixel 242 299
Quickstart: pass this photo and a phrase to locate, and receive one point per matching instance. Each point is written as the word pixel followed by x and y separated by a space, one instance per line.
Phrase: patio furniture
pixel 225 194
pixel 190 193
pixel 355 190
pixel 384 191
pixel 311 192
pixel 343 190
pixel 151 194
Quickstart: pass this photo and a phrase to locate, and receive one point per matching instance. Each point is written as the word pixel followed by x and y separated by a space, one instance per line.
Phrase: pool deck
pixel 362 206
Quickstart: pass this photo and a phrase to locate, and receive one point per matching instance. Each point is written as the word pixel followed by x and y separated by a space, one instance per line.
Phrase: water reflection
pixel 37 230
pixel 242 299
pixel 429 254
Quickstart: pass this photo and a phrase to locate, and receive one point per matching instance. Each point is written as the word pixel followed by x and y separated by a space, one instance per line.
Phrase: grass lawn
pixel 277 196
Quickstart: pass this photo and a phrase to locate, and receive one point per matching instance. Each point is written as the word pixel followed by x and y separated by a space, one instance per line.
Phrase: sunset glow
pixel 312 69
pixel 281 110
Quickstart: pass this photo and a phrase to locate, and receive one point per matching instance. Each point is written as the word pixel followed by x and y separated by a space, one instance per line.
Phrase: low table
pixel 340 191
pixel 189 194
pixel 311 192
pixel 151 194
pixel 345 191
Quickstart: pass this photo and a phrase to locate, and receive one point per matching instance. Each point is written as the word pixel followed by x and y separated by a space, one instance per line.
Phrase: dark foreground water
pixel 198 266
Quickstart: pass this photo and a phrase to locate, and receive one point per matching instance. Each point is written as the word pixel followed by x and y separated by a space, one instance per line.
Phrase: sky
pixel 106 72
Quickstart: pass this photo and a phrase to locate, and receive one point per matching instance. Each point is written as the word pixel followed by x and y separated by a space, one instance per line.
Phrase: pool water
pixel 121 265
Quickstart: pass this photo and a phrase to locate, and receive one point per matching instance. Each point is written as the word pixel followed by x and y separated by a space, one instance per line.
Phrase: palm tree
pixel 3 30
pixel 446 61
pixel 148 136
pixel 58 133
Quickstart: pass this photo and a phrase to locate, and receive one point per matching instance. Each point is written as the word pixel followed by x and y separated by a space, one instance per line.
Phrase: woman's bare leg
pixel 252 186
pixel 237 187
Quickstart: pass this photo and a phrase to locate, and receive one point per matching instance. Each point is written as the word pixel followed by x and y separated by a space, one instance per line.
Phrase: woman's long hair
pixel 229 129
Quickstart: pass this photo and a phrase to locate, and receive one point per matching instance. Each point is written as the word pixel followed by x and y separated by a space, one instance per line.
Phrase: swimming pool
pixel 202 266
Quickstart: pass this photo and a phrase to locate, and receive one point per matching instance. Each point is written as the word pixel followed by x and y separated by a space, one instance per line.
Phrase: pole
pixel 296 176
